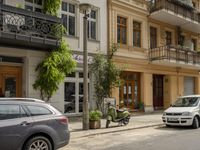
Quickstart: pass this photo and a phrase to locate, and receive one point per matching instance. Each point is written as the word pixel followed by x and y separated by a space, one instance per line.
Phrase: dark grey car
pixel 29 124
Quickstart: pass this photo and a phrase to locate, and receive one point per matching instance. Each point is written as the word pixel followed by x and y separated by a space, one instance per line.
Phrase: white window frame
pixel 34 5
pixel 67 13
pixel 77 81
pixel 89 23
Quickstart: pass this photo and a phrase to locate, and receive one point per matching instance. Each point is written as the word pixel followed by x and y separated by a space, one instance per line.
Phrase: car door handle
pixel 24 123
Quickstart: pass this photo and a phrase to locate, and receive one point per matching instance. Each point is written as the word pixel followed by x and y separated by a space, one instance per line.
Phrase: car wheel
pixel 38 143
pixel 195 123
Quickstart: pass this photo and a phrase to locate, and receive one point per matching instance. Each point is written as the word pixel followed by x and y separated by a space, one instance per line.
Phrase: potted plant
pixel 95 119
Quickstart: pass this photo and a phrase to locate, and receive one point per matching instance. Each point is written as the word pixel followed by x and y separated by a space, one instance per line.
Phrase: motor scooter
pixel 120 116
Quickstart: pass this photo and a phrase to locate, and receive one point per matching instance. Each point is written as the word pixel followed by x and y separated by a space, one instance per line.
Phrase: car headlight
pixel 186 114
pixel 164 114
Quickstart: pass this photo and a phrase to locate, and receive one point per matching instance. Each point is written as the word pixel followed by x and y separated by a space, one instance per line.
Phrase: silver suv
pixel 30 124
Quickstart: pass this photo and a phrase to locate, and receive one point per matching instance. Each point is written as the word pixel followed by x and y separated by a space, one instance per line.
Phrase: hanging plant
pixel 51 7
pixel 53 70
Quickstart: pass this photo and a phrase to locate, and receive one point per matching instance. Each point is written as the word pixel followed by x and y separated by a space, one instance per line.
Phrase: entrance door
pixel 158 91
pixel 10 81
pixel 128 94
pixel 189 86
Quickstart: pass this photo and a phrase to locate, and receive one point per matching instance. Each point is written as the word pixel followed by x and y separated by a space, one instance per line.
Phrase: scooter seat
pixel 120 110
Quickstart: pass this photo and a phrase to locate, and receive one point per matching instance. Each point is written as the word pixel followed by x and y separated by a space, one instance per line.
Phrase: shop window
pixel 136 34
pixel 121 30
pixel 73 90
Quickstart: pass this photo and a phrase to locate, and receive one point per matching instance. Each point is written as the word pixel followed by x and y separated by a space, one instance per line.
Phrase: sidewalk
pixel 136 122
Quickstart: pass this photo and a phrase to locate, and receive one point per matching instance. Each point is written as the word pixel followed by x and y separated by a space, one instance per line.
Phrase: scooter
pixel 120 116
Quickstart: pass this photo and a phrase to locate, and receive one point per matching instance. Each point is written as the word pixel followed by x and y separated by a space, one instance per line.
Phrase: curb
pixel 126 129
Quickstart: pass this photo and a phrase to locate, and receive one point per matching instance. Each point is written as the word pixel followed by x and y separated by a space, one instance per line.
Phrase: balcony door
pixel 153 37
pixel 10 81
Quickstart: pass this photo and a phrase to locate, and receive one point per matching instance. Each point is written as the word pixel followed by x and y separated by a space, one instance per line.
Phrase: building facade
pixel 26 37
pixel 158 51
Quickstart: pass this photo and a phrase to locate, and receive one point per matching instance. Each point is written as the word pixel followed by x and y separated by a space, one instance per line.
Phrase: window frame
pixel 27 109
pixel 167 37
pixel 122 26
pixel 67 14
pixel 94 20
pixel 194 41
pixel 135 30
pixel 20 111
pixel 33 5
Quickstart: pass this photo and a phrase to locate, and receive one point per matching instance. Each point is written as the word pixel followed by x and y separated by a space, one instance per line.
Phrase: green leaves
pixel 107 76
pixel 51 7
pixel 53 69
pixel 95 115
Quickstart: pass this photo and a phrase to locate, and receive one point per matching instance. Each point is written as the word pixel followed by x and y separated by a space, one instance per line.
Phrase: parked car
pixel 70 105
pixel 31 124
pixel 184 112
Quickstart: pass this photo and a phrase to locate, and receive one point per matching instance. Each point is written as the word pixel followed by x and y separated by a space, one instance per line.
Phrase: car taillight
pixel 63 120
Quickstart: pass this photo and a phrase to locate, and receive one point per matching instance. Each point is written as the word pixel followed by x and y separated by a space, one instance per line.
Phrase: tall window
pixel 194 43
pixel 121 30
pixel 68 17
pixel 153 37
pixel 92 25
pixel 168 38
pixel 136 34
pixel 33 5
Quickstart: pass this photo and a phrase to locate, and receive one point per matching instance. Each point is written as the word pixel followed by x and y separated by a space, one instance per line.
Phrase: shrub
pixel 95 115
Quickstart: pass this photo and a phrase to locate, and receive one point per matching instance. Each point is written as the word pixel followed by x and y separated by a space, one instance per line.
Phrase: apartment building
pixel 26 37
pixel 159 46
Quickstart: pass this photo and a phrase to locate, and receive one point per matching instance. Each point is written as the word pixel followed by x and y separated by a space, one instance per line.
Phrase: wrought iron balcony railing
pixel 174 54
pixel 33 27
pixel 176 7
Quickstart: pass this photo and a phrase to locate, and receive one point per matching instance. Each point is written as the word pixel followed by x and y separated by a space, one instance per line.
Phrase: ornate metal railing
pixel 174 54
pixel 31 24
pixel 177 7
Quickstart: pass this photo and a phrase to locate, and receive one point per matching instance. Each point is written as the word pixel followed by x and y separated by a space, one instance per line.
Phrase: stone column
pixel 147 91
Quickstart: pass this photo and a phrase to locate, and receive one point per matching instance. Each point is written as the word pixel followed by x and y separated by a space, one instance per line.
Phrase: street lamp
pixel 85 9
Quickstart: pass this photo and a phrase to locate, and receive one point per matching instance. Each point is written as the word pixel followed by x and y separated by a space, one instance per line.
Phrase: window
pixel 69 17
pixel 136 34
pixel 92 21
pixel 73 93
pixel 121 30
pixel 181 40
pixel 33 5
pixel 9 112
pixel 194 44
pixel 153 37
pixel 1 1
pixel 168 38
pixel 38 110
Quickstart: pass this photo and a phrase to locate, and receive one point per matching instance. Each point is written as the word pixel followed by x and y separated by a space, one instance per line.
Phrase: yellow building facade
pixel 159 46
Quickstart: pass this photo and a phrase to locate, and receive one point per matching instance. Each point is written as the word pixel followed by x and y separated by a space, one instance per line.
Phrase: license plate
pixel 172 119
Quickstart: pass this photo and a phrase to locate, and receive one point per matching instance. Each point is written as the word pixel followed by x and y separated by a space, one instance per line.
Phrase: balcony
pixel 175 56
pixel 22 28
pixel 176 13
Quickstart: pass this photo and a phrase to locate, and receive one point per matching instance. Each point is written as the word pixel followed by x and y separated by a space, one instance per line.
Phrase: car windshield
pixel 186 102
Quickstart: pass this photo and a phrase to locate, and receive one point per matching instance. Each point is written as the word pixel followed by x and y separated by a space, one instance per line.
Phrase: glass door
pixel 128 94
pixel 10 81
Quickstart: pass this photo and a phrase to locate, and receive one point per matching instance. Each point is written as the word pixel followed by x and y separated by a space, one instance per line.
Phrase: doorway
pixel 10 81
pixel 158 92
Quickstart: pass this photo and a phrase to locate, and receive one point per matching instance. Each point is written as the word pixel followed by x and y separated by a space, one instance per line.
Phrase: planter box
pixel 95 124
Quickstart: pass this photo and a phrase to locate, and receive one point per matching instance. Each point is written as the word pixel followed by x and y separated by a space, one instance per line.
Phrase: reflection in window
pixel 10 87
pixel 9 112
pixel 69 97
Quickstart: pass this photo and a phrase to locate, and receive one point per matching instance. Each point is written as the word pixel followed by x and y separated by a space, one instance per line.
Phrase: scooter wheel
pixel 126 121
pixel 107 123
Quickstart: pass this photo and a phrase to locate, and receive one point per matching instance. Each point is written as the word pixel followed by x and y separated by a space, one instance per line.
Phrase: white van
pixel 184 112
